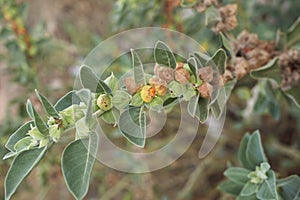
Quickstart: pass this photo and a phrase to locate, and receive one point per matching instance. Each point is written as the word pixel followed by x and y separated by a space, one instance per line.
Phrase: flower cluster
pixel 167 82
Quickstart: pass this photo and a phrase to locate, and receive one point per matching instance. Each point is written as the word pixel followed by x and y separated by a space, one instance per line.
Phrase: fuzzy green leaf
pixel 249 189
pixel 243 151
pixel 231 187
pixel 137 100
pixel 255 153
pixel 203 109
pixel 271 71
pixel 20 168
pixel 220 59
pixel 120 99
pixel 226 45
pixel 29 109
pixel 163 55
pixel 17 135
pixel 293 34
pixel 39 123
pixel 91 81
pixel 289 187
pixel 237 174
pixel 193 106
pixel 201 59
pixel 48 107
pixel 138 70
pixel 268 190
pixel 111 116
pixel 77 162
pixel 67 100
pixel 132 124
pixel 212 16
pixel 294 95
pixel 192 62
pixel 112 82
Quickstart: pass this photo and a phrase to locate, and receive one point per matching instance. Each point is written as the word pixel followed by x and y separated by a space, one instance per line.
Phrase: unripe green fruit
pixel 104 102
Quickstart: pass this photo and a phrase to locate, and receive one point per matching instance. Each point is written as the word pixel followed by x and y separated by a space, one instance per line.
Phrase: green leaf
pixel 156 104
pixel 289 187
pixel 231 187
pixel 85 96
pixel 39 123
pixel 294 95
pixel 91 81
pixel 193 106
pixel 29 109
pixel 67 100
pixel 132 124
pixel 203 110
pixel 220 59
pixel 163 55
pixel 120 99
pixel 77 162
pixel 212 16
pixel 249 189
pixel 218 106
pixel 20 168
pixel 192 62
pixel 138 70
pixel 188 3
pixel 201 59
pixel 111 116
pixel 293 34
pixel 177 89
pixel 137 100
pixel 226 45
pixel 268 190
pixel 18 135
pixel 237 174
pixel 255 152
pixel 112 82
pixel 243 151
pixel 23 144
pixel 271 71
pixel 48 107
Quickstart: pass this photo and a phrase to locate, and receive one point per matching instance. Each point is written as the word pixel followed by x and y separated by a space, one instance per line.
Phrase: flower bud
pixel 104 102
pixel 130 85
pixel 147 93
pixel 205 90
pixel 55 132
pixel 159 85
pixel 182 76
pixel 206 74
pixel 164 73
pixel 71 114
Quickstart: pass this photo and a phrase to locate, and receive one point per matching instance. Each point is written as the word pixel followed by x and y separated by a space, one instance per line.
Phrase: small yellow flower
pixel 148 93
pixel 159 85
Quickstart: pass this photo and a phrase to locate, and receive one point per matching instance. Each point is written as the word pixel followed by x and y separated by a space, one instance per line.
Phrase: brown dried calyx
pixel 289 63
pixel 250 53
pixel 204 4
pixel 181 75
pixel 228 20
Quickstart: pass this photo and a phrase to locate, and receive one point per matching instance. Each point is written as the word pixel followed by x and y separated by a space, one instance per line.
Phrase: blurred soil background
pixel 75 27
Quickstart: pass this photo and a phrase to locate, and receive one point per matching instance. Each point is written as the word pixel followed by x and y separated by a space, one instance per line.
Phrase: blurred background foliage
pixel 42 44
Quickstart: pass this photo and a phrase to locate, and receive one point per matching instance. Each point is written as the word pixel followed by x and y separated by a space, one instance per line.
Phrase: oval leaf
pixel 39 123
pixel 231 187
pixel 268 189
pixel 77 162
pixel 132 124
pixel 48 107
pixel 18 135
pixel 271 71
pixel 20 168
pixel 237 175
pixel 255 153
pixel 138 70
pixel 67 100
pixel 163 55
pixel 91 81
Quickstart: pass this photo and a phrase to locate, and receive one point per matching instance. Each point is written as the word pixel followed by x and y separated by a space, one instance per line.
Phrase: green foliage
pixel 77 171
pixel 163 55
pixel 256 180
